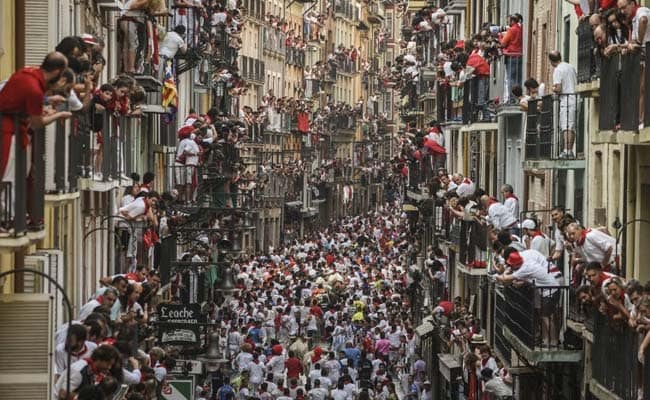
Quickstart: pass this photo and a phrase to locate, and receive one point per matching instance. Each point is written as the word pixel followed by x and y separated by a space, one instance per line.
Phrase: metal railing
pixel 346 9
pixel 614 358
pixel 22 201
pixel 550 122
pixel 588 57
pixel 473 244
pixel 620 93
pixel 253 69
pixel 274 41
pixel 535 315
pixel 295 57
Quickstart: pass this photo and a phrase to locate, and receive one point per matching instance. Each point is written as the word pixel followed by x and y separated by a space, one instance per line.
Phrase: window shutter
pixel 26 334
pixel 37 42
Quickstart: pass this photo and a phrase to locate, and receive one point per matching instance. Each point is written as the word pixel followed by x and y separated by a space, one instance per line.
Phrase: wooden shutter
pixel 26 336
pixel 37 38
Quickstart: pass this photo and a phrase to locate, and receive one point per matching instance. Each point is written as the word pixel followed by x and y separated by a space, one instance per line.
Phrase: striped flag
pixel 169 93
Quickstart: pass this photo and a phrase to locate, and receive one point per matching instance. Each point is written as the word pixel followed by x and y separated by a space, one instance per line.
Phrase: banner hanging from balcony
pixel 169 94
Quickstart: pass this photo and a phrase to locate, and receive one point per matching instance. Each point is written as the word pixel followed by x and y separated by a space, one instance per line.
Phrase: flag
pixel 169 94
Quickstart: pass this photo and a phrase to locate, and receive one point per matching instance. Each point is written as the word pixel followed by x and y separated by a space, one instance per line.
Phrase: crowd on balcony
pixel 458 62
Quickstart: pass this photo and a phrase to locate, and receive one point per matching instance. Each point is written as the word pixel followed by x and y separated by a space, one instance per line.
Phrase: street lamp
pixel 620 227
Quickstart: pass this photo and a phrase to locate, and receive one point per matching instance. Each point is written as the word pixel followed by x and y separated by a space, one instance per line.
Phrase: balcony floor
pixel 480 126
pixel 555 164
pixel 622 137
pixel 600 392
pixel 539 355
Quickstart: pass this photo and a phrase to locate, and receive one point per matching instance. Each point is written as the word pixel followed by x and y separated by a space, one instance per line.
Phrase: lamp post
pixel 620 228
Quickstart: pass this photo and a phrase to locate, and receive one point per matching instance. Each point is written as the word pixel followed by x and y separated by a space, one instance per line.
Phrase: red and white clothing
pixel 541 243
pixel 535 269
pixel 512 204
pixel 500 216
pixel 61 356
pixel 76 377
pixel 593 244
pixel 136 208
pixel 466 188
pixel 23 94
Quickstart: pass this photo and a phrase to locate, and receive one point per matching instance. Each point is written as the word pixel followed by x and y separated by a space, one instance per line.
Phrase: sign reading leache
pixel 180 313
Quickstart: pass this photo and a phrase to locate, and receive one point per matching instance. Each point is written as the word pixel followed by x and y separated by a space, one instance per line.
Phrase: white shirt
pixel 317 393
pixel 75 378
pixel 640 12
pixel 565 75
pixel 135 208
pixel 171 44
pixel 466 188
pixel 535 269
pixel 61 356
pixel 88 308
pixel 191 150
pixel 541 243
pixel 512 204
pixel 500 216
pixel 595 245
pixel 559 240
pixel 339 394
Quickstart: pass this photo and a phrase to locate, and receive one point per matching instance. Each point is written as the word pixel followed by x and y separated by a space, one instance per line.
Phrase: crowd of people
pixel 326 316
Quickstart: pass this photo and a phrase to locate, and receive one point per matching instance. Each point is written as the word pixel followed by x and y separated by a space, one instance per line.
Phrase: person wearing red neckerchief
pixel 597 277
pixel 510 200
pixel 498 215
pixel 592 245
pixel 87 371
pixel 534 238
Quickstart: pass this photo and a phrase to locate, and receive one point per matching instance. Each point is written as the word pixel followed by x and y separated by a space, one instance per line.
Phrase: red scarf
pixel 80 352
pixel 534 234
pixel 583 237
pixel 511 196
pixel 467 181
pixel 97 373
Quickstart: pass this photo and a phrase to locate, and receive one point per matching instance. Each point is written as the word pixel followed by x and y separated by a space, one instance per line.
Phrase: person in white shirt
pixel 535 239
pixel 187 159
pixel 498 215
pixel 78 347
pixel 510 201
pixel 339 393
pixel 465 187
pixel 173 43
pixel 100 362
pixel 557 213
pixel 592 245
pixel 531 267
pixel 565 80
pixel 317 393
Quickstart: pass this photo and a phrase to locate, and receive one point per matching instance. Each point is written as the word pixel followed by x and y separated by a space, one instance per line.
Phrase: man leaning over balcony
pixel 592 245
pixel 24 96
pixel 565 80
pixel 498 215
pixel 531 267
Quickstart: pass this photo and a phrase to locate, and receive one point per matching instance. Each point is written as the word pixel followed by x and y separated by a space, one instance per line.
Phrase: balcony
pixel 22 201
pixel 549 122
pixel 253 70
pixel 274 41
pixel 614 362
pixel 312 88
pixel 375 13
pixel 473 247
pixel 624 111
pixel 346 9
pixel 254 9
pixel 530 321
pixel 588 58
pixel 295 57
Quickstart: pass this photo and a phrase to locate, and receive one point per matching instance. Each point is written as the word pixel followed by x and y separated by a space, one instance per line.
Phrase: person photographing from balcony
pixel 565 80
pixel 534 238
pixel 512 45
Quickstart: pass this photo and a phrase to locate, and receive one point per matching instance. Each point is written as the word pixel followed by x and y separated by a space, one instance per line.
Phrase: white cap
pixel 528 224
